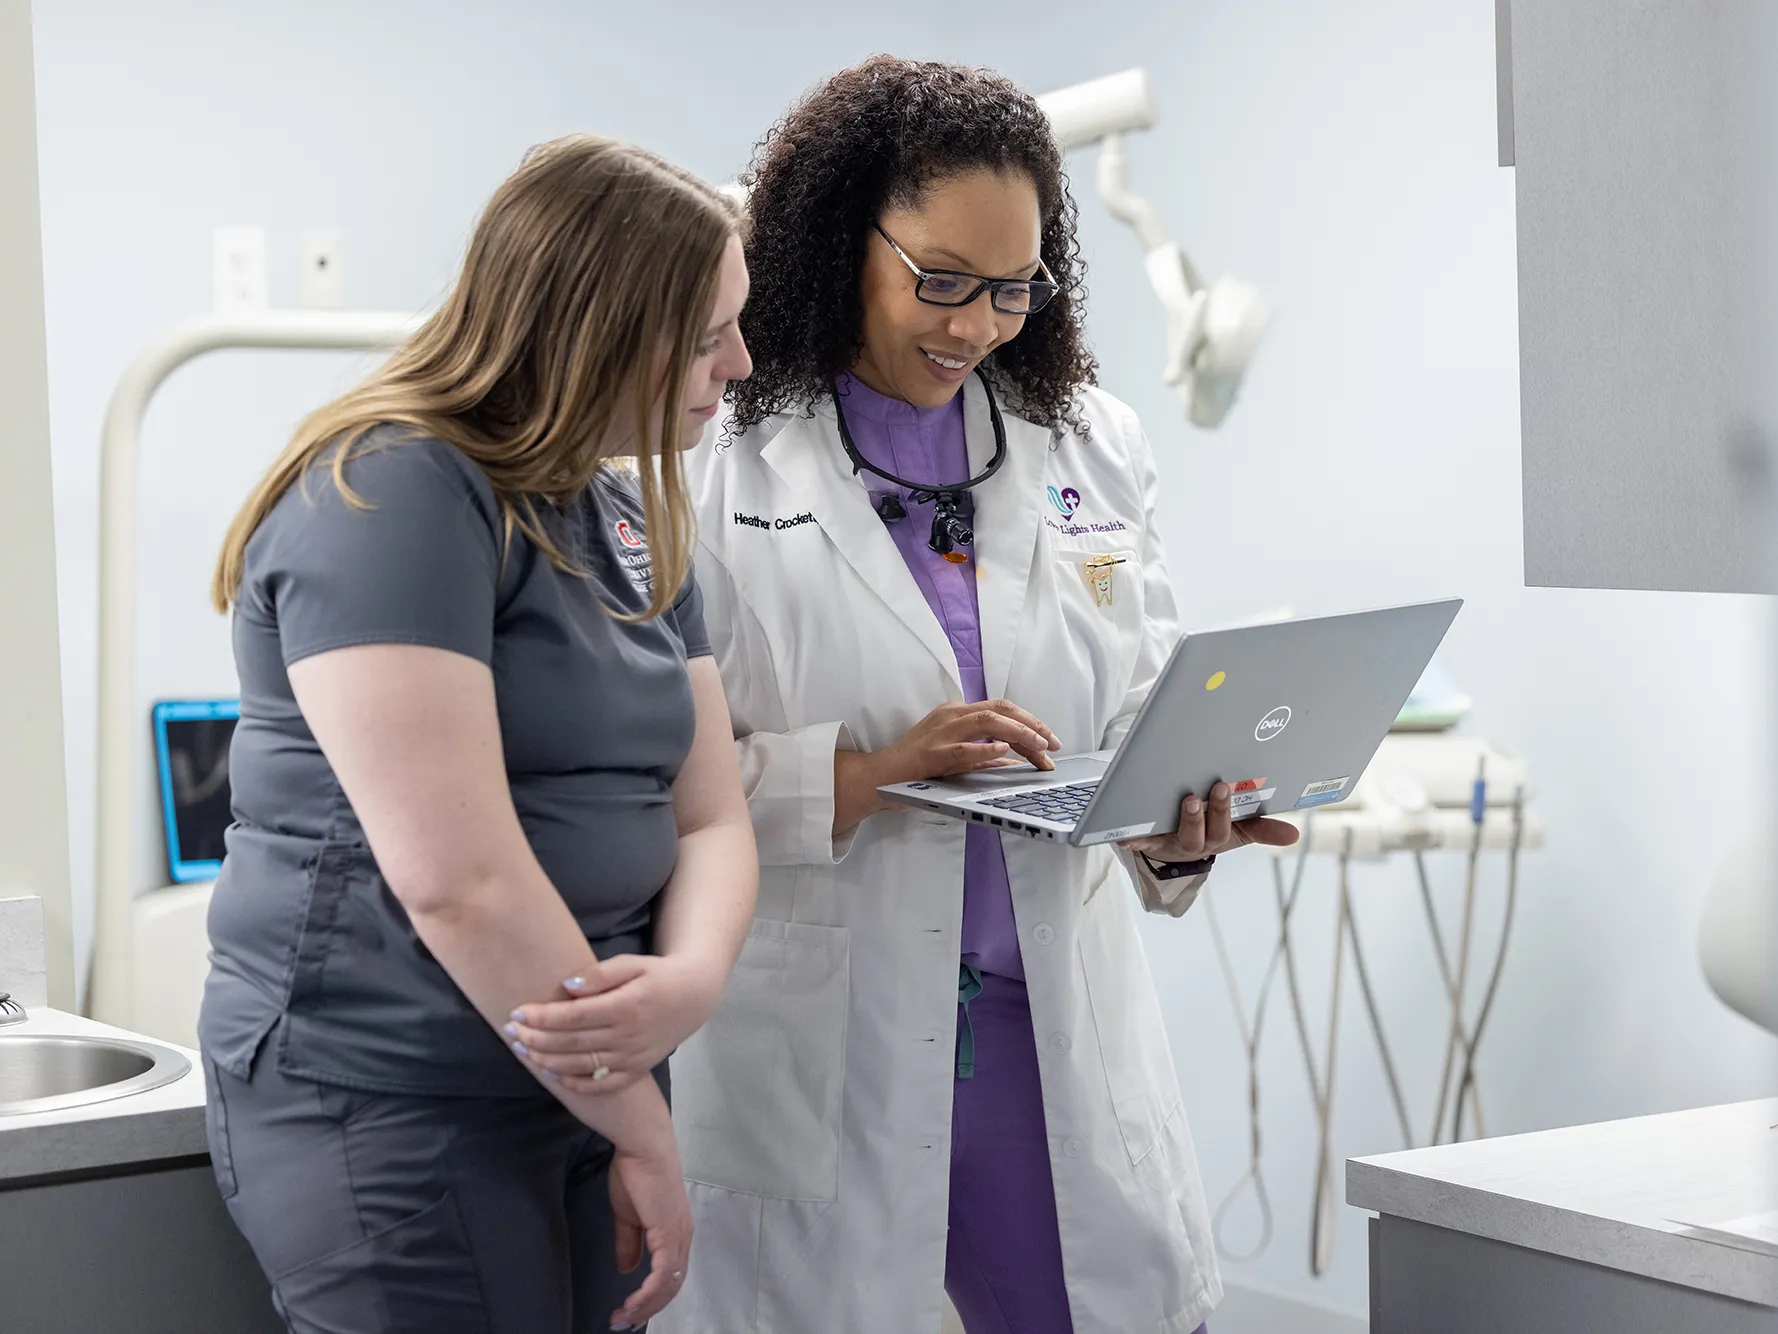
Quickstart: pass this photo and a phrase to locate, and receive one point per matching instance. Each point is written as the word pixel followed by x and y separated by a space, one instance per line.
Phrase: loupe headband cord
pixel 924 491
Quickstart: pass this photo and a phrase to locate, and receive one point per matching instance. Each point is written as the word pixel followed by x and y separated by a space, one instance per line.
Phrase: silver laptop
pixel 1287 714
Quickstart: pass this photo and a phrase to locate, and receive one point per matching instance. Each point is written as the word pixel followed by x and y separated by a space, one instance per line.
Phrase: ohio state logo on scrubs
pixel 632 554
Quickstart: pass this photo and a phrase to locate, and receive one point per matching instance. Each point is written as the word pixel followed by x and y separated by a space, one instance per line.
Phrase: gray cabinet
pixel 142 1252
pixel 1631 125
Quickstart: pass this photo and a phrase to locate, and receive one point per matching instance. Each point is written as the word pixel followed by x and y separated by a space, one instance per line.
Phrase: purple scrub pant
pixel 1003 1260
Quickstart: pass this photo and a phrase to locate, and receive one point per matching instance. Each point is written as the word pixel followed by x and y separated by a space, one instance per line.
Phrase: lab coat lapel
pixel 1007 512
pixel 809 459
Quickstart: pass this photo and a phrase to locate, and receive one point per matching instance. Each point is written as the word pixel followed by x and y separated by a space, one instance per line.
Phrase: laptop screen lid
pixel 1289 714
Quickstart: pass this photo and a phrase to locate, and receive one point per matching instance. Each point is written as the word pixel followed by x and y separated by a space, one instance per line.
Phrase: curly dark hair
pixel 872 137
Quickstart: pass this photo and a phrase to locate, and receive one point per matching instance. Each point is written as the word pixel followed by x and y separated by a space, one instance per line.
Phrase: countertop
pixel 1621 1194
pixel 167 1122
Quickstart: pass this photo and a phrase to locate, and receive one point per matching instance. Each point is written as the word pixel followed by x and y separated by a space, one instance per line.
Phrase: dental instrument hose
pixel 1478 810
pixel 1376 1018
pixel 1253 1176
pixel 1506 926
pixel 1321 1224
pixel 1250 1039
pixel 1438 947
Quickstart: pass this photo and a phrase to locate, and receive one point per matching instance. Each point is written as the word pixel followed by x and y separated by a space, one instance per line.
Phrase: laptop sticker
pixel 1216 680
pixel 1322 793
pixel 1247 785
pixel 1128 831
pixel 1244 801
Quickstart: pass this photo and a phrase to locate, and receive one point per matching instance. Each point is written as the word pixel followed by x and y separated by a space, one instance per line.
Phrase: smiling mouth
pixel 949 363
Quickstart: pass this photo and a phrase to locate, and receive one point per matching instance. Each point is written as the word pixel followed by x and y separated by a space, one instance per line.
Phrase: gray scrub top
pixel 309 946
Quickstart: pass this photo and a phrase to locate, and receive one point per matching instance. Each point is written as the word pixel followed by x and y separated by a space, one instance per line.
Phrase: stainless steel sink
pixel 44 1073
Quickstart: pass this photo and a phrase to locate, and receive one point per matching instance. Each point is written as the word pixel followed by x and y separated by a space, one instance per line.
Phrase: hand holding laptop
pixel 1278 717
pixel 1207 829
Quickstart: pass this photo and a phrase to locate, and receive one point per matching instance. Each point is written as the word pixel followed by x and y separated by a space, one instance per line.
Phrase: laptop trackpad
pixel 987 782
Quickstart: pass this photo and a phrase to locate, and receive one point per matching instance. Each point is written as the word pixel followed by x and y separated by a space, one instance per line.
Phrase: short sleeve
pixel 420 565
pixel 688 615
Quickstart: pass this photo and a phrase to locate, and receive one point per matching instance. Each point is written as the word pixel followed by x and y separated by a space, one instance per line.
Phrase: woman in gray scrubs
pixel 483 753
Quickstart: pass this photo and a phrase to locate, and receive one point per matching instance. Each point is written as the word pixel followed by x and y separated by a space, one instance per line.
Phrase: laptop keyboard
pixel 1062 805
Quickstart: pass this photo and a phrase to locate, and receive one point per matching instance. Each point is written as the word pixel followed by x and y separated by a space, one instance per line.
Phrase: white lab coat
pixel 814 1110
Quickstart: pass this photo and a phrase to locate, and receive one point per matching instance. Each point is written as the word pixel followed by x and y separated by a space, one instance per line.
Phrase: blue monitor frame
pixel 183 871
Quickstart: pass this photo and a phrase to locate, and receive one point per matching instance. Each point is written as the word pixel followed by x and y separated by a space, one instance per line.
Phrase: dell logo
pixel 1273 723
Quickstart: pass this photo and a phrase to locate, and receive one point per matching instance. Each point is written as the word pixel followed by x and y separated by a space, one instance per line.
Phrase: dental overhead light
pixel 1212 330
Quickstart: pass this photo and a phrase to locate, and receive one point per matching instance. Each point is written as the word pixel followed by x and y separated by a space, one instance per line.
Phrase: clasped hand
pixel 604 1031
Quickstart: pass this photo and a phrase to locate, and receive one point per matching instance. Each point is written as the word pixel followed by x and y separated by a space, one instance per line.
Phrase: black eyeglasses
pixel 947 287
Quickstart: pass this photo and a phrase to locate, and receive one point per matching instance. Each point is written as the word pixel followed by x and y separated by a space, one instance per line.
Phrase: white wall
pixel 1341 157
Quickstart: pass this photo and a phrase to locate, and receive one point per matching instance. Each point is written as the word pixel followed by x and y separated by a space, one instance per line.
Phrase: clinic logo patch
pixel 627 535
pixel 1273 723
pixel 1066 501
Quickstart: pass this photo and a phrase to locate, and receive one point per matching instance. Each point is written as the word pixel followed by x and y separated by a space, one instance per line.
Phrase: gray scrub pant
pixel 373 1212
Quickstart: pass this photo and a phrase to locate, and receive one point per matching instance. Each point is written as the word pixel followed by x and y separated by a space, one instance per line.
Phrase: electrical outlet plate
pixel 238 270
pixel 323 278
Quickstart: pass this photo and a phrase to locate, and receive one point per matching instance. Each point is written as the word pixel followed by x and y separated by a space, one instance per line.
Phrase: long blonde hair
pixel 569 335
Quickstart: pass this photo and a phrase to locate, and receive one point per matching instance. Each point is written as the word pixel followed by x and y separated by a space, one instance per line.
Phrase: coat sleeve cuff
pixel 789 781
pixel 1171 897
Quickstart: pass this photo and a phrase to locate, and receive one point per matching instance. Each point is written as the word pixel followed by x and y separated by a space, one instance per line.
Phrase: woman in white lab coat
pixel 940 1058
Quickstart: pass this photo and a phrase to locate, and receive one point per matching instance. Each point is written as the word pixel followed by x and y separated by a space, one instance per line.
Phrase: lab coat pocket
pixel 756 1091
pixel 1108 581
pixel 1127 1019
pixel 1101 596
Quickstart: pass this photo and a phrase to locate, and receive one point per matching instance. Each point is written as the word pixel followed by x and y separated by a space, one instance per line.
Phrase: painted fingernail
pixel 517 1016
pixel 520 1049
pixel 552 1076
pixel 575 984
pixel 511 1030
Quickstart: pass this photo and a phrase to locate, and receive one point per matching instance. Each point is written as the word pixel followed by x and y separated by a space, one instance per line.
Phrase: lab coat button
pixel 1071 1147
pixel 1044 934
pixel 1059 1042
